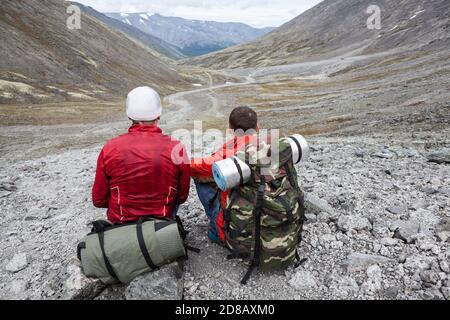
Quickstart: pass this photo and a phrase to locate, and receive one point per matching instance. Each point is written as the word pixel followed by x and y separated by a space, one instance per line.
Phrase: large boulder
pixel 79 287
pixel 163 284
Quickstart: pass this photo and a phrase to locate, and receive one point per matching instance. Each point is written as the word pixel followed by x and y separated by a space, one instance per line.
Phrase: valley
pixel 377 182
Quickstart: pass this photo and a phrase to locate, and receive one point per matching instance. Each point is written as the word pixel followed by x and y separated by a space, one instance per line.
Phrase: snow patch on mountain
pixel 192 37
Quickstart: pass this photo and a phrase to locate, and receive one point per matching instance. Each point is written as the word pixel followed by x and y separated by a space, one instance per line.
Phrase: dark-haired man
pixel 243 122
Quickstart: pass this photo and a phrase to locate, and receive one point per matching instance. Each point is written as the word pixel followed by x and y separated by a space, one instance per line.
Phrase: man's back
pixel 137 176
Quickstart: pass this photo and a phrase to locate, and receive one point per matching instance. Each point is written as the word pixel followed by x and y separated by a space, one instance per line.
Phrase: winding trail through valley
pixel 180 108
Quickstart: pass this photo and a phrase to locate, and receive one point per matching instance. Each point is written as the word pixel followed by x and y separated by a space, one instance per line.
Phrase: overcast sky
pixel 258 13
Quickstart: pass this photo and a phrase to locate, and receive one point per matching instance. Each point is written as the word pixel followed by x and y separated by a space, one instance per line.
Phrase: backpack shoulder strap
pixel 287 207
pixel 293 182
pixel 257 217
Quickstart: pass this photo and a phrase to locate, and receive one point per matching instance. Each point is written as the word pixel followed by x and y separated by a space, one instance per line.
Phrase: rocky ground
pixel 379 228
pixel 379 225
pixel 377 184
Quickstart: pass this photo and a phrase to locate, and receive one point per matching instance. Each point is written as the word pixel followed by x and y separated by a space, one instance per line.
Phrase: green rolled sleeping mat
pixel 119 253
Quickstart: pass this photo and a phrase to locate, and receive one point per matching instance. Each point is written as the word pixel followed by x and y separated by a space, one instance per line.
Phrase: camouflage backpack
pixel 264 217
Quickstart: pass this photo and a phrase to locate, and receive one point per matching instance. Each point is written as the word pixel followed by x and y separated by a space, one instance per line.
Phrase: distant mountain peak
pixel 192 37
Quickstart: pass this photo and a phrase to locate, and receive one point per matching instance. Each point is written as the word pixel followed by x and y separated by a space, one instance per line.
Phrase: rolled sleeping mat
pixel 121 253
pixel 230 173
pixel 233 172
pixel 300 148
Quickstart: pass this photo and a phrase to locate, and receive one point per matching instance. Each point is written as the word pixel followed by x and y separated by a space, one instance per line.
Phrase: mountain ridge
pixel 193 37
pixel 153 42
pixel 41 60
pixel 339 27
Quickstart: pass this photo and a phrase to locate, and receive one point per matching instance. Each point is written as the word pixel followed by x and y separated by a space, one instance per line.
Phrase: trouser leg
pixel 210 200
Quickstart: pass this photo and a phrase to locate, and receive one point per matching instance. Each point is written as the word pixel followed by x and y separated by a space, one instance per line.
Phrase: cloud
pixel 258 13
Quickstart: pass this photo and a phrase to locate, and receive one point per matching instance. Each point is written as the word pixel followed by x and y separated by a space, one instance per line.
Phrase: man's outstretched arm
pixel 184 182
pixel 101 188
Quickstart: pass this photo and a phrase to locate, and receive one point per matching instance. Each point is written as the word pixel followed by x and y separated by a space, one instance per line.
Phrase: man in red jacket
pixel 143 172
pixel 244 123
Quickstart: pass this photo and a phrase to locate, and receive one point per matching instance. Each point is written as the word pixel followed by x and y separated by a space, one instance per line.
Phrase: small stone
pixel 416 263
pixel 317 205
pixel 444 225
pixel 445 191
pixel 389 241
pixel 310 218
pixel 303 280
pixel 342 286
pixel 372 196
pixel 17 263
pixel 359 153
pixel 193 287
pixel 327 238
pixel 429 277
pixel 402 257
pixel 432 293
pixel 444 265
pixel 382 155
pixel 391 292
pixel 440 157
pixel 429 190
pixel 406 230
pixel 397 210
pixel 17 290
pixel 8 186
pixel 361 261
pixel 46 257
pixel 446 292
pixel 323 217
pixel 337 244
pixel 347 223
pixel 4 194
pixel 373 283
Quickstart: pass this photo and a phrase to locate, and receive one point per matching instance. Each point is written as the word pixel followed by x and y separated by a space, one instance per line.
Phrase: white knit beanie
pixel 143 104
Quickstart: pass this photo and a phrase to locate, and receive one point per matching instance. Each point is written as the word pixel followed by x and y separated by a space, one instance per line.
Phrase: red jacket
pixel 136 175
